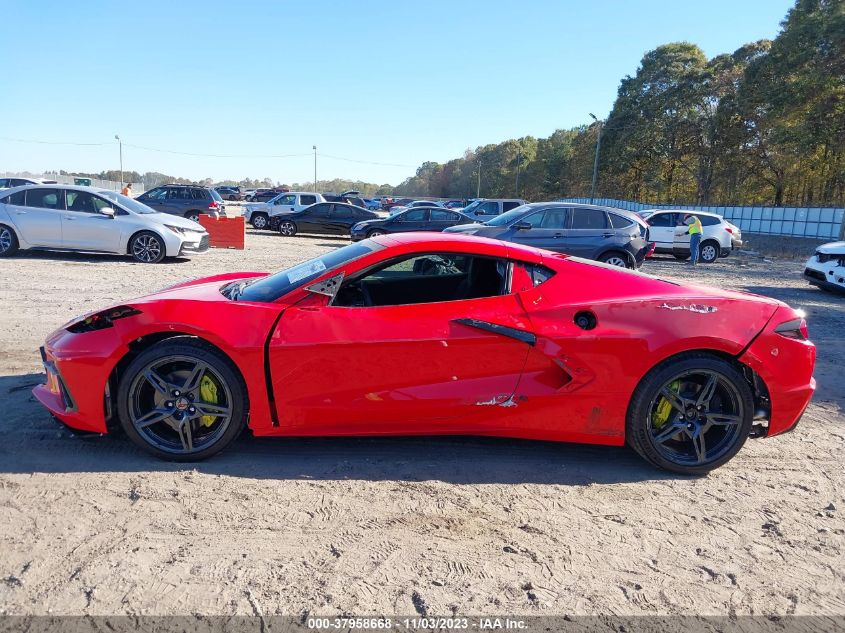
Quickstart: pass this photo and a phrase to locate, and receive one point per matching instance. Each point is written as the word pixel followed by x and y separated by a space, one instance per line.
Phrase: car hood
pixel 173 220
pixel 465 228
pixel 369 222
pixel 832 248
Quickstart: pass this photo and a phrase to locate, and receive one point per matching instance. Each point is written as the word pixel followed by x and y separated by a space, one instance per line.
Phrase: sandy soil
pixel 401 526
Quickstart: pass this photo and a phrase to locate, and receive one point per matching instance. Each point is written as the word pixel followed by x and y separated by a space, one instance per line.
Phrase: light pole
pixel 478 189
pixel 120 145
pixel 518 161
pixel 314 147
pixel 596 161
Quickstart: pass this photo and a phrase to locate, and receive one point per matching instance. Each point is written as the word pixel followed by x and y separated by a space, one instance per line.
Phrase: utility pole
pixel 314 147
pixel 596 161
pixel 518 161
pixel 120 145
pixel 478 190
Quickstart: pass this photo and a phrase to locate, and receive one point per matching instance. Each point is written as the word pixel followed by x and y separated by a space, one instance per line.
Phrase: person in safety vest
pixel 694 231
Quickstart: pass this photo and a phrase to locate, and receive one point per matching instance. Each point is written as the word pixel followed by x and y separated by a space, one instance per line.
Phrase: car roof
pixel 687 211
pixel 453 240
pixel 60 185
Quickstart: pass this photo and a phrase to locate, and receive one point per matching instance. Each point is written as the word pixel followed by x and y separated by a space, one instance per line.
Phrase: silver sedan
pixel 71 218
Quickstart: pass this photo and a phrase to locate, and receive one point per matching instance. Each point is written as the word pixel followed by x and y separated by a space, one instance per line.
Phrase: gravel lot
pixel 404 526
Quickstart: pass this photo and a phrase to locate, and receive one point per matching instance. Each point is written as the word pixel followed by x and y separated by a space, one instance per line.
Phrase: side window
pixel 510 204
pixel 285 200
pixel 4 182
pixel 81 201
pixel 156 194
pixel 661 219
pixel 441 215
pixel 44 198
pixel 17 182
pixel 534 219
pixel 415 215
pixel 198 194
pixel 426 278
pixel 306 200
pixel 18 199
pixel 555 219
pixel 588 219
pixel 488 208
pixel 618 222
pixel 178 193
pixel 319 210
pixel 709 220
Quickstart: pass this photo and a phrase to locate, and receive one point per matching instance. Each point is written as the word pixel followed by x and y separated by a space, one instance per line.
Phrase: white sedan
pixel 826 268
pixel 72 218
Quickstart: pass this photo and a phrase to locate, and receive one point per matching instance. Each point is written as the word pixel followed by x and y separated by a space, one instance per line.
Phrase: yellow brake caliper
pixel 663 410
pixel 208 392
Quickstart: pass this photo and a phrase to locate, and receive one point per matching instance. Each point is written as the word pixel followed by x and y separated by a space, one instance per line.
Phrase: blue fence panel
pixel 814 222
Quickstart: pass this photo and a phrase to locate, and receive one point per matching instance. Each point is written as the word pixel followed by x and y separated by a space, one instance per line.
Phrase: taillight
pixel 213 204
pixel 796 328
pixel 729 230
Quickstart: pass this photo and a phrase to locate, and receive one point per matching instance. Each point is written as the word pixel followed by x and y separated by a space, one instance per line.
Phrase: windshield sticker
pixel 305 270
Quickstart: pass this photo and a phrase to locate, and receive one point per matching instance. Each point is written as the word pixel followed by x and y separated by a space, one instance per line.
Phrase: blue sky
pixel 396 82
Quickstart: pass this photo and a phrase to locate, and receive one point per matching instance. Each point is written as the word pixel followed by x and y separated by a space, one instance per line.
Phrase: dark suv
pixel 609 235
pixel 189 201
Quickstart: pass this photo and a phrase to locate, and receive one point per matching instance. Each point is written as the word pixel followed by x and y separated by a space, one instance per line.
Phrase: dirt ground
pixel 90 525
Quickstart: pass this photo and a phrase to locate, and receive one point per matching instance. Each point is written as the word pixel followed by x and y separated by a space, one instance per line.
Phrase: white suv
pixel 259 214
pixel 666 228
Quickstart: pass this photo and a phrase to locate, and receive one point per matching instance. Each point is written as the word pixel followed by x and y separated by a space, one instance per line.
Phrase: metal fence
pixel 813 222
pixel 137 187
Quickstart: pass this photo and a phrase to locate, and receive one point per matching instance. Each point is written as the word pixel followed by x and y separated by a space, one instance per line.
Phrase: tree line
pixel 763 125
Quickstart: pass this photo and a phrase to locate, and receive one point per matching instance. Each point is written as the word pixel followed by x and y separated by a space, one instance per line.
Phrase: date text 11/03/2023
pixel 421 623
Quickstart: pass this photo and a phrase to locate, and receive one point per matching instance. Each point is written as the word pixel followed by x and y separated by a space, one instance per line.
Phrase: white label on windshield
pixel 305 270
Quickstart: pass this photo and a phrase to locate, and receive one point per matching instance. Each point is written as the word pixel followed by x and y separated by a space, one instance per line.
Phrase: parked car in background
pixel 457 205
pixel 230 193
pixel 7 183
pixel 373 204
pixel 416 219
pixel 613 236
pixel 263 195
pixel 188 201
pixel 325 218
pixel 484 208
pixel 74 218
pixel 670 234
pixel 826 268
pixel 349 197
pixel 259 214
pixel 260 191
pixel 388 203
pixel 414 203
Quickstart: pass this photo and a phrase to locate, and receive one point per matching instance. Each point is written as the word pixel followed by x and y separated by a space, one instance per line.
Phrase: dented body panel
pixel 521 364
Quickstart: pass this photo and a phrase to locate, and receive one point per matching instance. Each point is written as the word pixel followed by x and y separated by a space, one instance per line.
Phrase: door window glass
pixel 487 208
pixel 427 278
pixel 510 204
pixel 17 198
pixel 306 200
pixel 554 219
pixel 156 195
pixel 80 201
pixel 198 194
pixel 178 193
pixel 319 210
pixel 415 215
pixel 44 198
pixel 285 200
pixel 709 220
pixel 438 215
pixel 588 219
pixel 619 222
pixel 661 219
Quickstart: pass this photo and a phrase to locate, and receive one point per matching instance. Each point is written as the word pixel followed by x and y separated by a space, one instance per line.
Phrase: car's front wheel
pixel 690 414
pixel 710 252
pixel 147 247
pixel 375 233
pixel 8 241
pixel 259 220
pixel 182 400
pixel 287 228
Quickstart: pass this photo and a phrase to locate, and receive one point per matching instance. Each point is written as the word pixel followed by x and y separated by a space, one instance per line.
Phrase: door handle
pixel 21 212
pixel 520 335
pixel 606 235
pixel 69 218
pixel 558 235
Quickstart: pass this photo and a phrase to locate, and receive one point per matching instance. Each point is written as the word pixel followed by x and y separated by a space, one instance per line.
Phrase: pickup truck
pixel 259 214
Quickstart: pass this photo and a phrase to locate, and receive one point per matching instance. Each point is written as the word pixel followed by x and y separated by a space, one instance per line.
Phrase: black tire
pixel 193 215
pixel 260 221
pixel 616 258
pixel 287 228
pixel 135 392
pixel 8 241
pixel 232 198
pixel 709 251
pixel 681 258
pixel 376 233
pixel 147 248
pixel 718 437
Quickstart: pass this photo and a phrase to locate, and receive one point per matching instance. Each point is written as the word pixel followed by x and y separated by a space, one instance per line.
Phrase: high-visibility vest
pixel 695 227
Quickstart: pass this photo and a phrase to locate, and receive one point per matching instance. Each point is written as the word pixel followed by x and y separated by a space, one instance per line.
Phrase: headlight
pixel 102 320
pixel 176 229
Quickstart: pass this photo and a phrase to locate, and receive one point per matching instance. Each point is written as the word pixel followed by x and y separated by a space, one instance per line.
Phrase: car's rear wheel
pixel 615 259
pixel 287 228
pixel 259 220
pixel 709 252
pixel 193 215
pixel 375 233
pixel 690 414
pixel 8 241
pixel 182 400
pixel 147 247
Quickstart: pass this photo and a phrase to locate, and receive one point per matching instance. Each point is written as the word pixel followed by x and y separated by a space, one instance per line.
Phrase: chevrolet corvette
pixel 416 334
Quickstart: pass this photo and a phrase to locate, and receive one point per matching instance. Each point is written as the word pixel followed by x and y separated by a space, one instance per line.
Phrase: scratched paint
pixel 693 307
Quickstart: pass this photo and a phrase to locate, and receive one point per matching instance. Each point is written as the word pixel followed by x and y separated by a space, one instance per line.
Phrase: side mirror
pixel 522 226
pixel 108 212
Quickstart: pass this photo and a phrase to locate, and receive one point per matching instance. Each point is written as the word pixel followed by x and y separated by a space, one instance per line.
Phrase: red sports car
pixel 438 334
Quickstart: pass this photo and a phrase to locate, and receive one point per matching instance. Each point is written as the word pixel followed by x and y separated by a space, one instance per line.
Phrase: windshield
pixel 472 206
pixel 507 217
pixel 268 289
pixel 127 202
